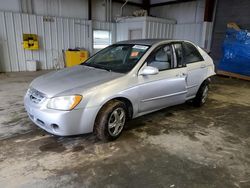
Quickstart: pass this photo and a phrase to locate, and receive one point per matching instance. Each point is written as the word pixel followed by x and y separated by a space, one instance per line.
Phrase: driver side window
pixel 161 58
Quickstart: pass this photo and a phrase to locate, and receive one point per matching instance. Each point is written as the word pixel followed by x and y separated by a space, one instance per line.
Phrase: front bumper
pixel 62 123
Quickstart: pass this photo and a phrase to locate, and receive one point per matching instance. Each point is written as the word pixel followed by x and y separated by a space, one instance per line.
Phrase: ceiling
pixel 160 1
pixel 151 3
pixel 155 2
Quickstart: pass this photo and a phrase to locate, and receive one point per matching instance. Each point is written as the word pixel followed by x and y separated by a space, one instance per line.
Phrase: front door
pixel 166 88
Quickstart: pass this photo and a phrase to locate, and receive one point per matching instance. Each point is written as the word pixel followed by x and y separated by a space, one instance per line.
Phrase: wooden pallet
pixel 233 75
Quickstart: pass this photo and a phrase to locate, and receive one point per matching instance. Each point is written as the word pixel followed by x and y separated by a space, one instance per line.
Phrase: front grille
pixel 35 96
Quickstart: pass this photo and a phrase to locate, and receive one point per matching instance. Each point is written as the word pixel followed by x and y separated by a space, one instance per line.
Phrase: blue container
pixel 236 52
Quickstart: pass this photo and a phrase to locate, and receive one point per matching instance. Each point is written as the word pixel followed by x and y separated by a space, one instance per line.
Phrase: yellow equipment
pixel 75 57
pixel 30 42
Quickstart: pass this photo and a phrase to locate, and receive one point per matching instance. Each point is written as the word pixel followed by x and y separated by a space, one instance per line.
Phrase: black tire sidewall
pixel 198 98
pixel 101 123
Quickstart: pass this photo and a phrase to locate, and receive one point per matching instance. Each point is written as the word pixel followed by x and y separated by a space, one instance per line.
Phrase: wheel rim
pixel 116 121
pixel 204 94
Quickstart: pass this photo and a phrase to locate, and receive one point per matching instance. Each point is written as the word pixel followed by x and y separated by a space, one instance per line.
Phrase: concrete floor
pixel 180 146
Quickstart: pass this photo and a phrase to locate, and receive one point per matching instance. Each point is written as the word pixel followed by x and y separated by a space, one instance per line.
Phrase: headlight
pixel 64 102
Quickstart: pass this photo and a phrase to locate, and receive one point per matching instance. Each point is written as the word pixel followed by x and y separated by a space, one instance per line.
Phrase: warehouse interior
pixel 180 146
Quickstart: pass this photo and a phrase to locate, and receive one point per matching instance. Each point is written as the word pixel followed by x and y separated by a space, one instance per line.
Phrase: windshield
pixel 117 58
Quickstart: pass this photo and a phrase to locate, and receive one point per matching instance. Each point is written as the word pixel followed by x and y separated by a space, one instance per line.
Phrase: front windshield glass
pixel 117 58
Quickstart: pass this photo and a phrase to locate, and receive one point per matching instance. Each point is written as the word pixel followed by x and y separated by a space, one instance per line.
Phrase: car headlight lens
pixel 64 102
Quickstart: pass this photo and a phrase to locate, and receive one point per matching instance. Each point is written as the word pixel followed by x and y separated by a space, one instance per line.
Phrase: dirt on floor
pixel 178 147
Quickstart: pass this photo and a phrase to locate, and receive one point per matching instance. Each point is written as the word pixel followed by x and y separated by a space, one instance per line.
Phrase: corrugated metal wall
pixel 63 33
pixel 54 36
pixel 122 32
pixel 185 12
pixel 151 28
pixel 159 30
pixel 192 32
pixel 198 33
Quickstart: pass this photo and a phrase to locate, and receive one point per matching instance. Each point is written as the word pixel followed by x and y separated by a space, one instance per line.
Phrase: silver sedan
pixel 123 81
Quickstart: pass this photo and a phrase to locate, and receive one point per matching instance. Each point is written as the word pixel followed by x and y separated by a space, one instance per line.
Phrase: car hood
pixel 72 79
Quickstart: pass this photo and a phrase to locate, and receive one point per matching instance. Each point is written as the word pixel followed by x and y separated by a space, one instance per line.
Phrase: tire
pixel 201 95
pixel 110 121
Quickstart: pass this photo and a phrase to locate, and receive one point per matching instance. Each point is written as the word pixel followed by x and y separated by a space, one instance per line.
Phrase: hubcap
pixel 204 94
pixel 116 121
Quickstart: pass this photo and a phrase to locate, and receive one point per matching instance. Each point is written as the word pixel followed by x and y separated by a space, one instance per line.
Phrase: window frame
pixel 173 53
pixel 183 64
pixel 156 49
pixel 199 54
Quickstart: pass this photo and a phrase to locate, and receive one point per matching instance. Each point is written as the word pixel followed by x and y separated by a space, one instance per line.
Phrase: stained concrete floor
pixel 179 147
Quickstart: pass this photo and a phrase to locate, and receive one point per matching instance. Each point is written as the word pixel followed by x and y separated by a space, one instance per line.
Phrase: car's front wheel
pixel 110 121
pixel 202 94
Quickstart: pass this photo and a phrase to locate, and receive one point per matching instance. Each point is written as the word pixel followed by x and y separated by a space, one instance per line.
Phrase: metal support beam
pixel 89 10
pixel 209 10
pixel 146 5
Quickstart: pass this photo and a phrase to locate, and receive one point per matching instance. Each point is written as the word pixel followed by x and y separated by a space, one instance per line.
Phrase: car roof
pixel 145 41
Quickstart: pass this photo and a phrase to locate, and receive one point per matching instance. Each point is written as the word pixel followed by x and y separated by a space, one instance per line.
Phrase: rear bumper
pixel 62 123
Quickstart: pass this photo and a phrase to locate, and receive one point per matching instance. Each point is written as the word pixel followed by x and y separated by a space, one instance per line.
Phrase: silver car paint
pixel 70 79
pixel 146 93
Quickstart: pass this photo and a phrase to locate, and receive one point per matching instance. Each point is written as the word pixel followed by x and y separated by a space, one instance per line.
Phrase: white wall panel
pixel 33 29
pixel 4 49
pixel 54 36
pixel 55 46
pixel 63 33
pixel 151 27
pixel 159 30
pixel 10 5
pixel 199 33
pixel 186 12
pixel 191 32
pixel 61 8
pixel 48 43
pixel 124 28
pixel 19 37
pixel 11 37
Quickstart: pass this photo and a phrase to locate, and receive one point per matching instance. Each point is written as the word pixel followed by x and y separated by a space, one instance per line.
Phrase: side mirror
pixel 148 70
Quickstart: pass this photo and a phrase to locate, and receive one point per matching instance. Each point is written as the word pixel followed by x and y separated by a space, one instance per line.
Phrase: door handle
pixel 203 65
pixel 181 74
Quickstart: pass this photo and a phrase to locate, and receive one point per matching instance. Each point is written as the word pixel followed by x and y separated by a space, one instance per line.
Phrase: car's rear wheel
pixel 110 121
pixel 202 94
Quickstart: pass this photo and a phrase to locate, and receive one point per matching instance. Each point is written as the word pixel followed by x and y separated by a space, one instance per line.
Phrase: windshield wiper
pixel 98 66
pixel 103 67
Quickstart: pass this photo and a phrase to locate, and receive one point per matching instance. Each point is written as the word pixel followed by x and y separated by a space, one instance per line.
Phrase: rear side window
pixel 191 54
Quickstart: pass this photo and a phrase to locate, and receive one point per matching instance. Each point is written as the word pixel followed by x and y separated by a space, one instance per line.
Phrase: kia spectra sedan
pixel 121 82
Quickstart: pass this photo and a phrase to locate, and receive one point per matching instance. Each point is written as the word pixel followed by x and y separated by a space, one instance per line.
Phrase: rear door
pixel 196 68
pixel 166 88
